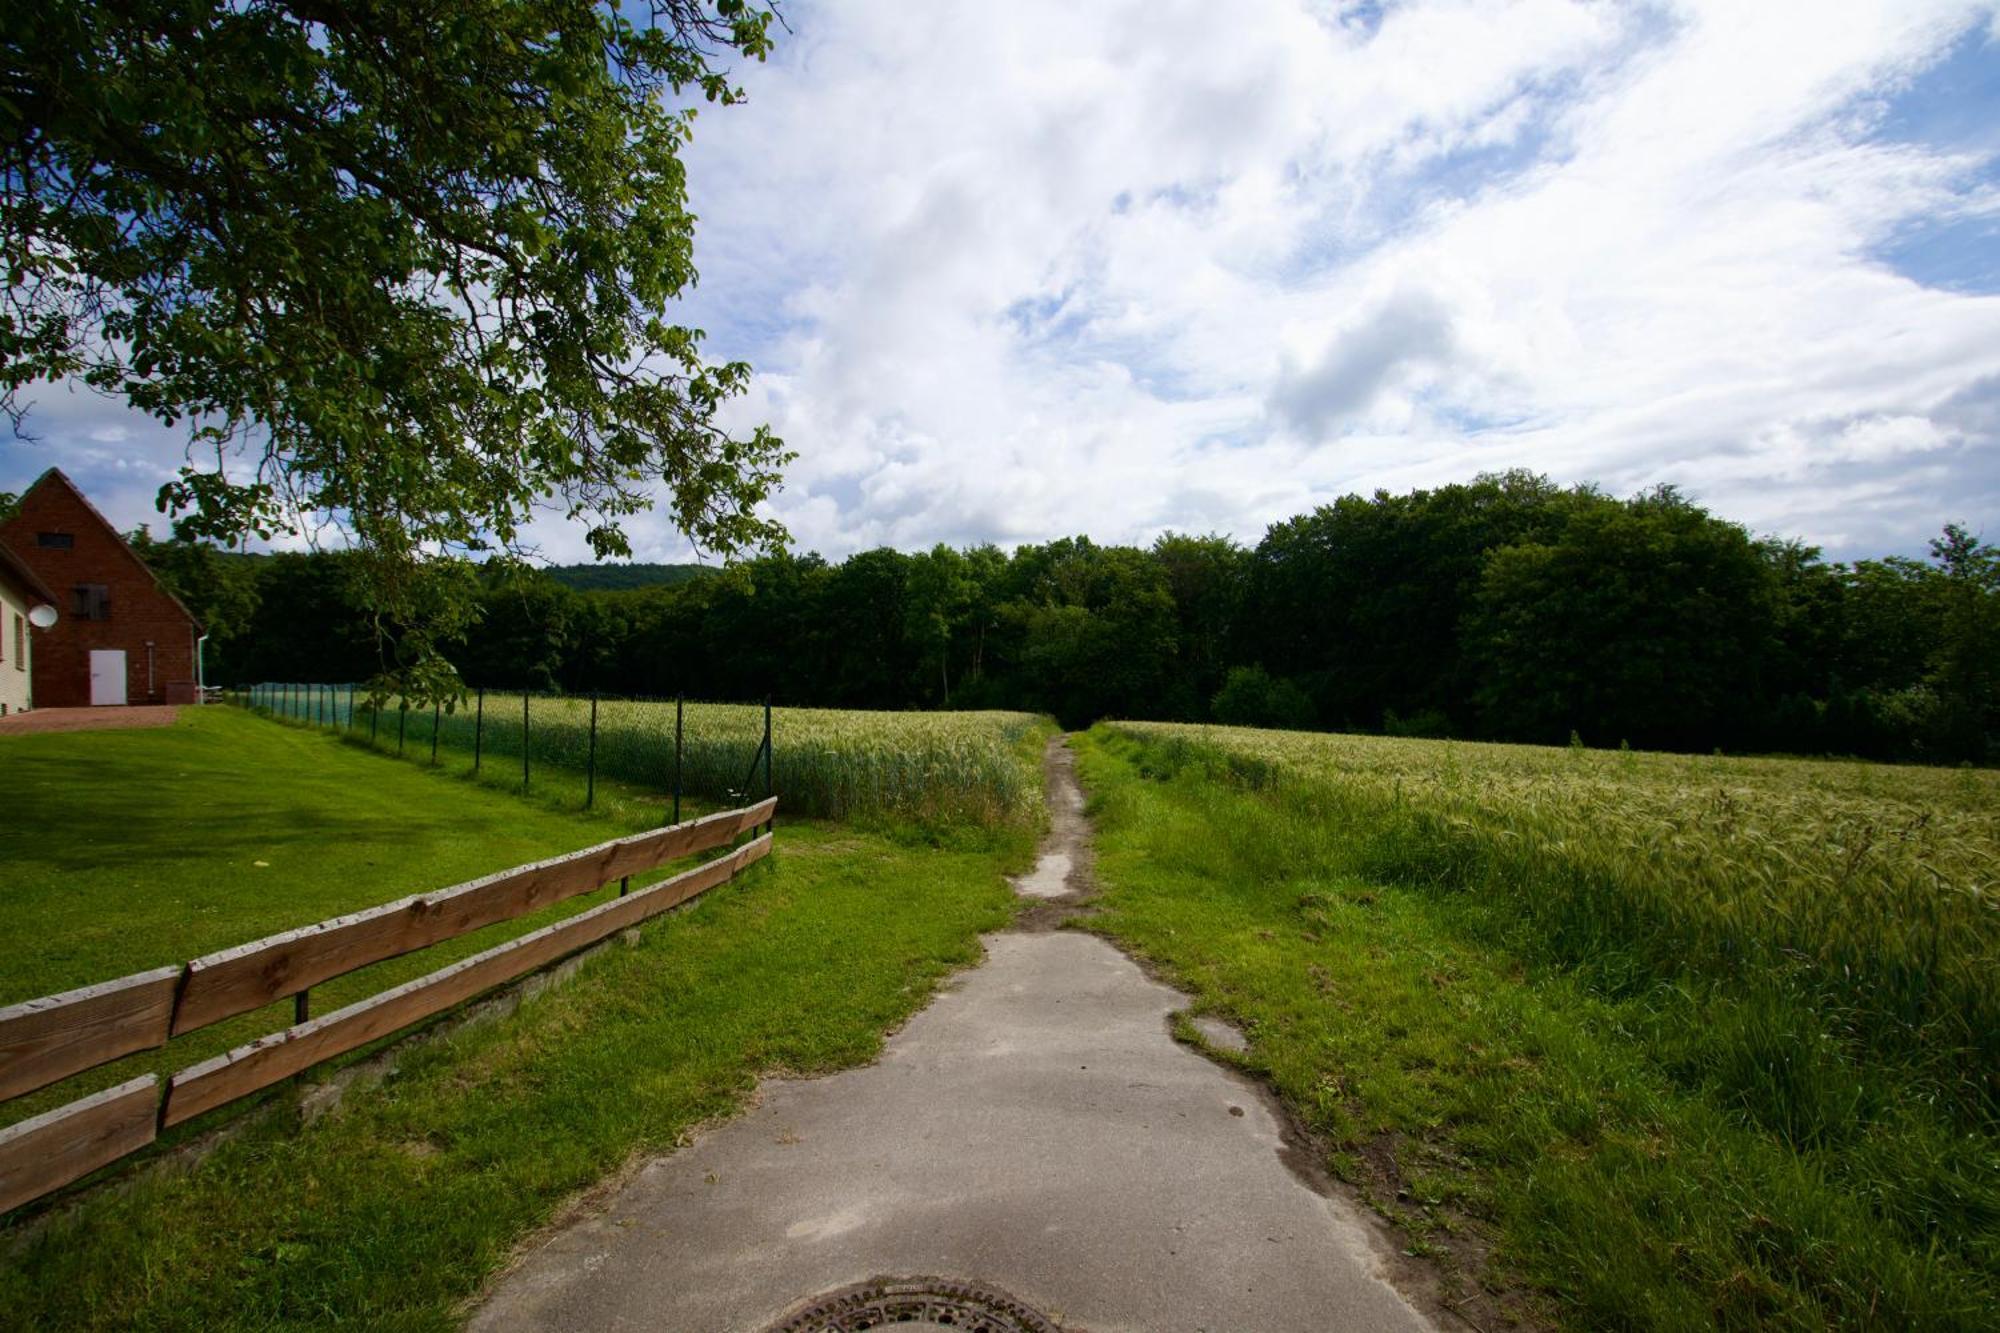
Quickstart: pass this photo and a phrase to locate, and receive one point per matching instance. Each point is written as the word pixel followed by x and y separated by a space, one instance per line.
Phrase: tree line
pixel 1506 608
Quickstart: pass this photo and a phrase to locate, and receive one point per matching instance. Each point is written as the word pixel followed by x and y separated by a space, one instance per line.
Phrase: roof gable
pixel 56 477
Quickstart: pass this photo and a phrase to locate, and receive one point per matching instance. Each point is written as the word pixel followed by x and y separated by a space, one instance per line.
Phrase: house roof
pixel 16 571
pixel 56 476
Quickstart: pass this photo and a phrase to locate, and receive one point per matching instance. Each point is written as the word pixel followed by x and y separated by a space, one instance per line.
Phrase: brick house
pixel 22 592
pixel 122 637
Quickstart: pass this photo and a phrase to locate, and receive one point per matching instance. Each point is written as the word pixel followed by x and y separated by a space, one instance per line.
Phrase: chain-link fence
pixel 557 745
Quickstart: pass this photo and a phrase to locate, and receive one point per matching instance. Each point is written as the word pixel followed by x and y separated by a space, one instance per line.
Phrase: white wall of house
pixel 17 646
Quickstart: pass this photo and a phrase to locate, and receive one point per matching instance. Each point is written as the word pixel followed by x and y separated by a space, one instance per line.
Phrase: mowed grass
pixel 129 850
pixel 938 770
pixel 391 1211
pixel 1693 1042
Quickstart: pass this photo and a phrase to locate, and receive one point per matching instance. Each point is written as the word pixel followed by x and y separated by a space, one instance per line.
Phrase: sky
pixel 1019 271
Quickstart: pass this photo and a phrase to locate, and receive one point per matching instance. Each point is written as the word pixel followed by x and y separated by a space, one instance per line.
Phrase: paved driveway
pixel 87 719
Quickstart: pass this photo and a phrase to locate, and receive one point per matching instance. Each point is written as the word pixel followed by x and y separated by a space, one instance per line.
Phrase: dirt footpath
pixel 1033 1151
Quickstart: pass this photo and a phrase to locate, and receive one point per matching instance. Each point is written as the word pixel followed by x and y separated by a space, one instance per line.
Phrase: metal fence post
pixel 437 716
pixel 402 724
pixel 767 756
pixel 350 705
pixel 679 700
pixel 478 728
pixel 590 765
pixel 524 740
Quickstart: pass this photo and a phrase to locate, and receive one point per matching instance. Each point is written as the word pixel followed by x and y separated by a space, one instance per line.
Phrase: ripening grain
pixel 978 768
pixel 1870 893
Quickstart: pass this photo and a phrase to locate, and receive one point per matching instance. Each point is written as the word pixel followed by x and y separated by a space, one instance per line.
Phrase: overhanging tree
pixel 404 268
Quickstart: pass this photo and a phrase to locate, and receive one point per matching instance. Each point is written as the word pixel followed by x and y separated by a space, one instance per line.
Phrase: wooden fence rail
pixel 45 1040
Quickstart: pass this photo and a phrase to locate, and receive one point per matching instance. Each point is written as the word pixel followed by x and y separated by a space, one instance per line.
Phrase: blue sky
pixel 1010 272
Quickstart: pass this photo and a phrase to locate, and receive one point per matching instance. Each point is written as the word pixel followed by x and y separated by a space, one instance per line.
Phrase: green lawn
pixel 1483 1092
pixel 127 850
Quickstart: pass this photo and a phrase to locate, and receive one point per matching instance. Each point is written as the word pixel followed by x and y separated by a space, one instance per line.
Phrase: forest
pixel 1505 608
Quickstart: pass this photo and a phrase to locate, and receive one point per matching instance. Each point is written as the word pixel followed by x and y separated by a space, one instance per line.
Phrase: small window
pixel 93 601
pixel 20 643
pixel 55 541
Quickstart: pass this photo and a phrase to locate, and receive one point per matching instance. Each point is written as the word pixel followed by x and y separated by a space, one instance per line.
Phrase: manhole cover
pixel 914 1303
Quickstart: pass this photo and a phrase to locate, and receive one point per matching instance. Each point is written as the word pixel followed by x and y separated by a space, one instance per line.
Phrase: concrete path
pixel 1036 1132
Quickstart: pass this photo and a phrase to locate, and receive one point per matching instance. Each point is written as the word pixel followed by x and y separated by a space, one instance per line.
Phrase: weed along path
pixel 1033 1151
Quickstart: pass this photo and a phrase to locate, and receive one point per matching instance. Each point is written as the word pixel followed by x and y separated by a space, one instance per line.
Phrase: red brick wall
pixel 140 609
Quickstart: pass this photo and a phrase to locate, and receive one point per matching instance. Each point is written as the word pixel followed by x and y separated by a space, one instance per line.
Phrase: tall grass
pixel 1818 942
pixel 1869 890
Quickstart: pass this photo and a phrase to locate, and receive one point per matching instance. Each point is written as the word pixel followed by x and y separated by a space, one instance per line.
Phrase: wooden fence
pixel 45 1040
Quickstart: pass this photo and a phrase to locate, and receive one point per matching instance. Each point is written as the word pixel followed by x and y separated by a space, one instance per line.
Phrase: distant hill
pixel 601 578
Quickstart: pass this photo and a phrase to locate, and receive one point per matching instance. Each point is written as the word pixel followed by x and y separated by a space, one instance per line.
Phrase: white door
pixel 107 675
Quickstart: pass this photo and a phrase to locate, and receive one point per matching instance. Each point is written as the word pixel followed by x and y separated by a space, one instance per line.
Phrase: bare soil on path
pixel 1035 1147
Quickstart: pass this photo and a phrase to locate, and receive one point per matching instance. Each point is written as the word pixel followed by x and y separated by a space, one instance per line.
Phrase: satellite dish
pixel 42 616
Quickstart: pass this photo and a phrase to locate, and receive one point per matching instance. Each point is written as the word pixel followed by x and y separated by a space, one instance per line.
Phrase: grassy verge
pixel 127 850
pixel 1478 1078
pixel 392 1211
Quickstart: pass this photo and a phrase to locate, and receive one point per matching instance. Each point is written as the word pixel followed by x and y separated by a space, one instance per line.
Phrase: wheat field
pixel 1871 893
pixel 941 768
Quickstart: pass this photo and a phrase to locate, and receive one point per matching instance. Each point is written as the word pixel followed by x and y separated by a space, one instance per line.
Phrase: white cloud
pixel 1136 268
pixel 1409 331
